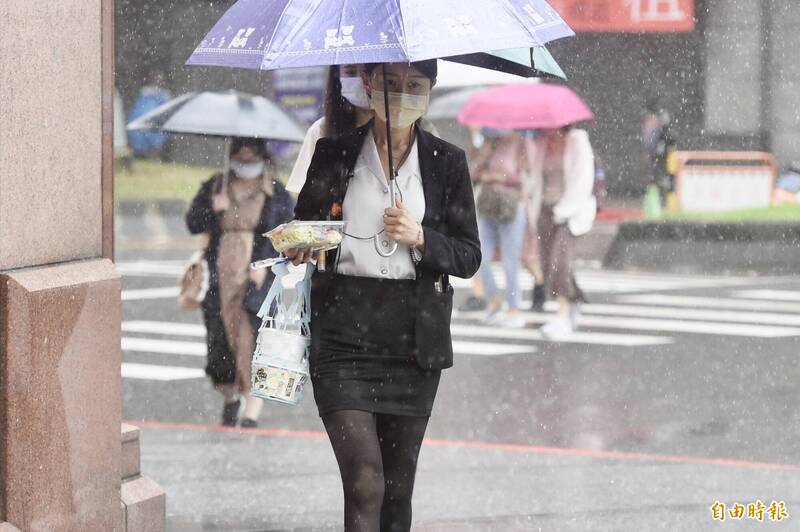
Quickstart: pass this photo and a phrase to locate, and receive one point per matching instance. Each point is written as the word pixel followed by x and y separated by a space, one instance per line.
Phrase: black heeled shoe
pixel 539 298
pixel 248 423
pixel 230 413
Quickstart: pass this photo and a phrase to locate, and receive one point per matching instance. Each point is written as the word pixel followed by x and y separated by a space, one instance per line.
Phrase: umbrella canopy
pixel 525 106
pixel 224 114
pixel 457 75
pixel 524 62
pixel 272 34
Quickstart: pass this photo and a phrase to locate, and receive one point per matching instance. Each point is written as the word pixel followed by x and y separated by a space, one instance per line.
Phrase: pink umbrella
pixel 525 106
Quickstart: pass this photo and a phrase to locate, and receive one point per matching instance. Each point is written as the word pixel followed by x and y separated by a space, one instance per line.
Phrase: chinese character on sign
pixel 777 511
pixel 736 511
pixel 655 11
pixel 756 510
pixel 718 511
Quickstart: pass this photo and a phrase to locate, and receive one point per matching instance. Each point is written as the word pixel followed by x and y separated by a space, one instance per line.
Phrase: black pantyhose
pixel 377 456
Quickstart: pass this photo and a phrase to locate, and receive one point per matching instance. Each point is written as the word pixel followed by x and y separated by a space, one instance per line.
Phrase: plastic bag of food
pixel 306 236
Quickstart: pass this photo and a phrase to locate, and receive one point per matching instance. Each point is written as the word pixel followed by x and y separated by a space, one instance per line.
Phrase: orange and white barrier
pixel 712 181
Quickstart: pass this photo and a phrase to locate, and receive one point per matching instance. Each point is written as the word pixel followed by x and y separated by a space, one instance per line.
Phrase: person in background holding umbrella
pixel 564 206
pixel 499 167
pixel 380 328
pixel 346 107
pixel 235 211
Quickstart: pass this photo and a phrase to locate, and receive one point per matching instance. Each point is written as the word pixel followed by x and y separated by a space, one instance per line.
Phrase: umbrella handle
pixel 378 239
pixel 226 165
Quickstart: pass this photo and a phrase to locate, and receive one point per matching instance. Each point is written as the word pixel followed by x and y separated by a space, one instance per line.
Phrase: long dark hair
pixel 428 68
pixel 259 147
pixel 340 115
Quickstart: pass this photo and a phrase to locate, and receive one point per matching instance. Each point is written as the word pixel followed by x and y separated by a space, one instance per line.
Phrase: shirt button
pixel 385 190
pixel 385 243
pixel 384 272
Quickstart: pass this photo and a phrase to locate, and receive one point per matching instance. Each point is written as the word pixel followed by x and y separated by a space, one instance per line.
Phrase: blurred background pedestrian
pixel 564 207
pixel 498 167
pixel 149 144
pixel 234 211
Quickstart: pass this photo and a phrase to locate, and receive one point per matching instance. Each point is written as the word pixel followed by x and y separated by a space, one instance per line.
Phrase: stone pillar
pixel 60 311
pixel 733 68
pixel 785 80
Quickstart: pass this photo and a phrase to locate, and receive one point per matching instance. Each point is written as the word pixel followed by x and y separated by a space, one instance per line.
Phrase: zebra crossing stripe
pixel 777 295
pixel 170 347
pixel 154 372
pixel 177 347
pixel 490 349
pixel 164 327
pixel 151 293
pixel 689 314
pixel 458 330
pixel 651 324
pixel 578 337
pixel 710 302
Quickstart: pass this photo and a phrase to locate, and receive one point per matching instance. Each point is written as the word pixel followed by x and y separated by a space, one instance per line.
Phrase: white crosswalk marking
pixel 689 314
pixel 639 313
pixel 647 324
pixel 578 337
pixel 154 372
pixel 777 295
pixel 599 281
pixel 490 349
pixel 711 302
pixel 168 292
pixel 152 268
pixel 606 281
pixel 170 347
pixel 164 327
pixel 458 330
pixel 176 347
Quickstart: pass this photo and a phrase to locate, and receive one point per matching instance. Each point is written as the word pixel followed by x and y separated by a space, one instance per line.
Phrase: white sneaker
pixel 574 315
pixel 556 328
pixel 513 321
pixel 493 316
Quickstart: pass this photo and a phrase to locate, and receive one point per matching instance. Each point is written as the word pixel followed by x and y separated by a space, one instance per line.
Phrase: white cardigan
pixel 577 206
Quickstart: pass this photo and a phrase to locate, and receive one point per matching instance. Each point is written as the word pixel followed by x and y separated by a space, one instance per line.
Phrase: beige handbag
pixel 194 281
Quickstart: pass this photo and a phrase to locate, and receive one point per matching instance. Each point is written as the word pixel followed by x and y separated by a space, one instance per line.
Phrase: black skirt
pixel 365 357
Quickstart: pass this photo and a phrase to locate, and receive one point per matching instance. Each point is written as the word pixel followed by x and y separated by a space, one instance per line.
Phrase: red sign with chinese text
pixel 627 15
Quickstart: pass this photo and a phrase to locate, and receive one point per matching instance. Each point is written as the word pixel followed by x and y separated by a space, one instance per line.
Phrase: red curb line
pixel 473 444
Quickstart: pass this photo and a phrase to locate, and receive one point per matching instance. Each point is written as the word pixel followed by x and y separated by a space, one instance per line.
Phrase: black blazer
pixel 451 230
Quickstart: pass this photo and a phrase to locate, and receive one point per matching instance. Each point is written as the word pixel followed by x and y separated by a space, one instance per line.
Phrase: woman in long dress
pixel 234 213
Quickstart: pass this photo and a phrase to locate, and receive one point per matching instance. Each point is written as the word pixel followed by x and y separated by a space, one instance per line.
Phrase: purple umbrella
pixel 273 34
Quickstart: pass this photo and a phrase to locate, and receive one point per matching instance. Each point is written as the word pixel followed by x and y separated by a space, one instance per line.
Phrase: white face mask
pixel 404 108
pixel 354 92
pixel 247 170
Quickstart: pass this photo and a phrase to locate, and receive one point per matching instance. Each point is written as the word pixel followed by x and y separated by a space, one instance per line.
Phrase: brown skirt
pixel 557 252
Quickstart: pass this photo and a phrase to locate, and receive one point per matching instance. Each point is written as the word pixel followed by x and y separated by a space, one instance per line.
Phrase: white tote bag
pixel 280 361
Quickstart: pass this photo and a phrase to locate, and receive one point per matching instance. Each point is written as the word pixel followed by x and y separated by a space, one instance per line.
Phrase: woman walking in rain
pixel 380 329
pixel 563 204
pixel 234 213
pixel 499 168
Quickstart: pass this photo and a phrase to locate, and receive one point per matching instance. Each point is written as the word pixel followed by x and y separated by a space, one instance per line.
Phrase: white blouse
pixel 298 176
pixel 364 204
